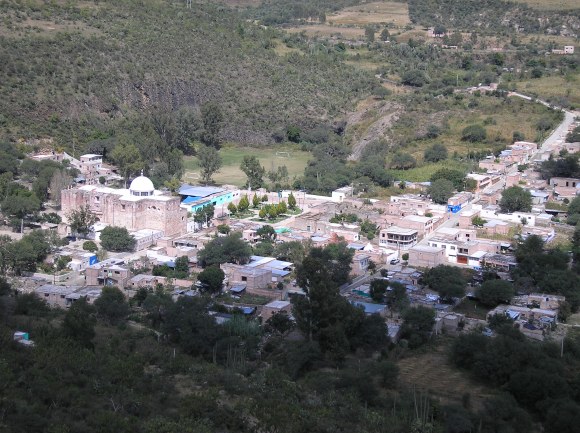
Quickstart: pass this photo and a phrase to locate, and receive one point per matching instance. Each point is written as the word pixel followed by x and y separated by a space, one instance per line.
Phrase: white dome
pixel 141 186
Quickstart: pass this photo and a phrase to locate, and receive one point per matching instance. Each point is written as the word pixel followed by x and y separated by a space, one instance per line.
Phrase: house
pixel 398 238
pixel 340 194
pixel 254 278
pixel 275 307
pixel 90 294
pixel 426 256
pixel 500 262
pixel 422 224
pixel 111 272
pixel 360 263
pixel 458 201
pixel 369 308
pixel 55 296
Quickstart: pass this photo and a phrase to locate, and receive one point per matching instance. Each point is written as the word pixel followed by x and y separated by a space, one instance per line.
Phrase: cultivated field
pixel 372 13
pixel 350 22
pixel 558 5
pixel 432 372
pixel 230 172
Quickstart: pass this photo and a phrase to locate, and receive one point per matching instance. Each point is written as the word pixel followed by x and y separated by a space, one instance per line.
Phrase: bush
pixel 474 133
pixel 117 239
pixel 90 246
pixel 435 153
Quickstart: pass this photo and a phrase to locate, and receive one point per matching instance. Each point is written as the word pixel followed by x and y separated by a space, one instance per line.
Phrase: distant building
pixel 275 307
pixel 398 238
pixel 109 272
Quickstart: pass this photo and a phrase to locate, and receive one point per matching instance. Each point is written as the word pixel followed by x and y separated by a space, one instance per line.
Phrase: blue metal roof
pixel 370 308
pixel 199 191
pixel 189 199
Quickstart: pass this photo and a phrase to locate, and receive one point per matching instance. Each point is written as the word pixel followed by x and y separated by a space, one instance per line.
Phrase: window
pixel 46 295
pixel 453 248
pixel 244 278
pixel 61 296
pixel 123 207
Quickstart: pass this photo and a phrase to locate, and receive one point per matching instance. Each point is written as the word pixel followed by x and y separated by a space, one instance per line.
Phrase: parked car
pixel 395 261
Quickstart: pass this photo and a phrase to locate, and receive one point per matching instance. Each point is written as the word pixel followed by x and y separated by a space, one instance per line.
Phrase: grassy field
pixel 554 87
pixel 559 5
pixel 432 372
pixel 230 172
pixel 424 173
pixel 472 309
pixel 325 30
pixel 372 13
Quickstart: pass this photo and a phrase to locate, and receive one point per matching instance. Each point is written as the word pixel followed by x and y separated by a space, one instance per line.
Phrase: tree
pixel 515 199
pixel 204 214
pixel 226 249
pixel 181 269
pixel 211 279
pixel 79 323
pixel 279 322
pixel 81 220
pixel 90 246
pixel 209 161
pixel 243 204
pixel 448 281
pixel 128 159
pixel 477 221
pixel 111 305
pixel 370 34
pixel 30 304
pixel 293 133
pixel 417 325
pixel 378 288
pixel 573 136
pixel 455 176
pixel 20 205
pixel 60 180
pixel 117 239
pixel 495 292
pixel 385 34
pixel 403 161
pixel 232 208
pixel 212 118
pixel 397 298
pixel 256 201
pixel 267 233
pixel 253 170
pixel 414 77
pixel 474 133
pixel 291 201
pixel 293 251
pixel 441 190
pixel 437 152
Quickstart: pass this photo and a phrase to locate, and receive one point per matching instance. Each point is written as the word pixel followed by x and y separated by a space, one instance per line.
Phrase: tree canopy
pixel 448 281
pixel 117 239
pixel 225 249
pixel 515 199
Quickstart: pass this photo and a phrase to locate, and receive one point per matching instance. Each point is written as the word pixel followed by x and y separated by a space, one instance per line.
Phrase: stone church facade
pixel 139 207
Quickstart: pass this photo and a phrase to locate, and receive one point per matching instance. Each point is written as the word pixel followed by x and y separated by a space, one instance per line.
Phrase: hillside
pixel 81 69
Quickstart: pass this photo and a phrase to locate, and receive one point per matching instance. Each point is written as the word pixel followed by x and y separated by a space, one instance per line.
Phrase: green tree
pixel 30 304
pixel 226 249
pixel 267 233
pixel 90 246
pixel 212 118
pixel 414 77
pixel 20 205
pixel 385 34
pixel 474 133
pixel 403 161
pixel 128 159
pixel 243 204
pixel 478 221
pixel 435 153
pixel 232 208
pixel 181 269
pixel 441 190
pixel 291 201
pixel 515 199
pixel 253 170
pixel 378 288
pixel 446 280
pixel 256 201
pixel 417 325
pixel 293 133
pixel 112 305
pixel 455 176
pixel 210 162
pixel 397 298
pixel 211 279
pixel 79 323
pixel 495 292
pixel 117 239
pixel 81 220
pixel 293 251
pixel 205 214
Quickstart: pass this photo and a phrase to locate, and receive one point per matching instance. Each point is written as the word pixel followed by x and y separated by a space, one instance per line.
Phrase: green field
pixel 553 5
pixel 230 172
pixel 424 173
pixel 554 87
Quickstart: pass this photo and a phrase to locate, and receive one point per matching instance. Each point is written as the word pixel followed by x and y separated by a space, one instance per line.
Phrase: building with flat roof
pixel 426 256
pixel 398 238
pixel 275 307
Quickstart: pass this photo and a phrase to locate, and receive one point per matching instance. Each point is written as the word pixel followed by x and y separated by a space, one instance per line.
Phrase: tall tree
pixel 448 281
pixel 209 161
pixel 440 190
pixel 253 170
pixel 117 239
pixel 128 159
pixel 81 220
pixel 112 305
pixel 212 117
pixel 60 180
pixel 79 323
pixel 515 199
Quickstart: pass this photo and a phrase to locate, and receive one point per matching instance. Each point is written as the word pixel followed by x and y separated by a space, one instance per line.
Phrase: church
pixel 137 208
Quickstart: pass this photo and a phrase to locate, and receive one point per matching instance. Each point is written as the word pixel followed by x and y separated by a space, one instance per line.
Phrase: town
pixel 396 241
